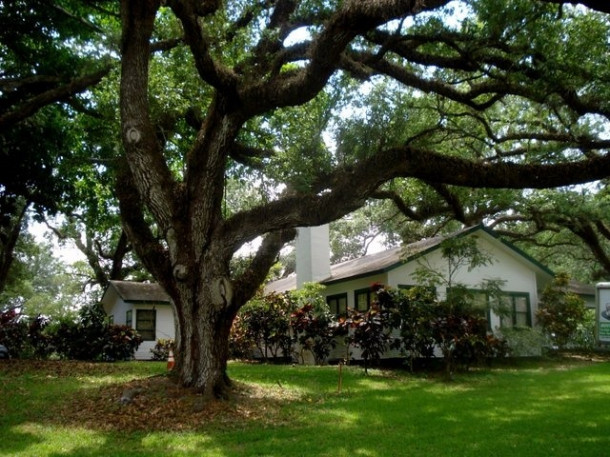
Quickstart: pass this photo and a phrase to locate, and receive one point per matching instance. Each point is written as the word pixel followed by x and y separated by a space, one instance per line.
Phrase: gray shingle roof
pixel 363 265
pixel 140 291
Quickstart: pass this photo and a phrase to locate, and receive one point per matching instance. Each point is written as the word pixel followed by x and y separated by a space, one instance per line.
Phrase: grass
pixel 546 408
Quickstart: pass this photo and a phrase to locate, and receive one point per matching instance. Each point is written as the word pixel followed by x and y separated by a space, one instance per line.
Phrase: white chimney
pixel 312 254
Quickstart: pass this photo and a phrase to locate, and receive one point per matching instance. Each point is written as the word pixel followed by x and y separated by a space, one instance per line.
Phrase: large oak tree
pixel 500 95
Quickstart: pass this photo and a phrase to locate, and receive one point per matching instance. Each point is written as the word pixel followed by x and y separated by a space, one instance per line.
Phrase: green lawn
pixel 547 408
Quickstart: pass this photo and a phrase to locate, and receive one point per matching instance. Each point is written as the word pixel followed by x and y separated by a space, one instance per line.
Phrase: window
pixel 129 318
pixel 517 309
pixel 363 299
pixel 481 303
pixel 146 320
pixel 337 304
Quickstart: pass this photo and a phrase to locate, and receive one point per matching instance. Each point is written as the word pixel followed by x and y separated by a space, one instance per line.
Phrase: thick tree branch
pixel 354 18
pixel 146 245
pixel 339 197
pixel 32 105
pixel 153 178
pixel 212 72
pixel 248 283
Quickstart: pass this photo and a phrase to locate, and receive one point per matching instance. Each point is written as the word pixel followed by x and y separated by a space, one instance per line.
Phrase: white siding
pixel 507 265
pixel 519 276
pixel 164 327
pixel 115 306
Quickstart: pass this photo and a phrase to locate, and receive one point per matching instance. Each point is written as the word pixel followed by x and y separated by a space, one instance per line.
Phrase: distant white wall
pixel 115 307
pixel 312 254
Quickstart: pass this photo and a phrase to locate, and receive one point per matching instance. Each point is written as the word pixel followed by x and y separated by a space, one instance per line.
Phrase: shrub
pixel 121 342
pixel 162 348
pixel 415 310
pixel 315 331
pixel 454 326
pixel 13 332
pixel 314 327
pixel 265 324
pixel 39 342
pixel 25 337
pixel 90 337
pixel 584 337
pixel 371 330
pixel 524 341
pixel 241 345
pixel 83 338
pixel 561 312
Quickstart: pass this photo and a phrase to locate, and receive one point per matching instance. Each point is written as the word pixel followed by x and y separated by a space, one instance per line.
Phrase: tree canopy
pixel 242 119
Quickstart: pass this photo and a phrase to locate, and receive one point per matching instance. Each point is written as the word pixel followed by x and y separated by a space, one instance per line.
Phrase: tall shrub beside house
pixel 561 312
pixel 452 326
pixel 91 337
pixel 24 336
pixel 415 310
pixel 456 324
pixel 313 326
pixel 264 323
pixel 88 336
pixel 372 330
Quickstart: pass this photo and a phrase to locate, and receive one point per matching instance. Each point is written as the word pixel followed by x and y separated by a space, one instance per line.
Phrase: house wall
pixel 507 265
pixel 164 327
pixel 115 307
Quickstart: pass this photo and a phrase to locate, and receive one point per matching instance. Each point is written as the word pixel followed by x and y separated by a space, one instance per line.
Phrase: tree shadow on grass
pixel 13 442
pixel 527 412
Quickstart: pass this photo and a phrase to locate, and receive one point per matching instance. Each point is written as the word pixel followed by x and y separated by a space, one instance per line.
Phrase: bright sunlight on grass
pixel 525 409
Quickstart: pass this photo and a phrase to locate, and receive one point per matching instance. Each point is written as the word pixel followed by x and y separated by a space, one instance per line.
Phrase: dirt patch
pixel 147 403
pixel 157 403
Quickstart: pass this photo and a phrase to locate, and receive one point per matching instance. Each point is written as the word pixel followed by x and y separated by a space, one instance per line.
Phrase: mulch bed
pixel 157 403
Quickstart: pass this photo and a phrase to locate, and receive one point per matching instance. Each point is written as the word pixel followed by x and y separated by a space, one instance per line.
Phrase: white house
pixel 348 284
pixel 146 307
pixel 143 306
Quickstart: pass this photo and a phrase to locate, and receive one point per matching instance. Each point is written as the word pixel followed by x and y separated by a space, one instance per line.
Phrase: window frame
pixel 337 311
pixel 513 310
pixel 365 291
pixel 147 334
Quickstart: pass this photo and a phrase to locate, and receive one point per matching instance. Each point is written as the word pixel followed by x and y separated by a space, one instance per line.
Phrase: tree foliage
pixel 39 282
pixel 324 106
pixel 482 86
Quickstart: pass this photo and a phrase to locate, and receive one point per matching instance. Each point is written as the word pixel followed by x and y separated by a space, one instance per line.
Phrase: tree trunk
pixel 10 234
pixel 202 343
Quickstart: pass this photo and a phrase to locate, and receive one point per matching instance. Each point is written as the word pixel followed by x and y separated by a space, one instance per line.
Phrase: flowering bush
pixel 162 348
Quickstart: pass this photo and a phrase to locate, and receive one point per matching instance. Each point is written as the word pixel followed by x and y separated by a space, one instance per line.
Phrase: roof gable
pixel 137 292
pixel 388 260
pixel 382 262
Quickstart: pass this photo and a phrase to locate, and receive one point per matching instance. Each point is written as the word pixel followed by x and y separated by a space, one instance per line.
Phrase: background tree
pixel 40 283
pixel 49 59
